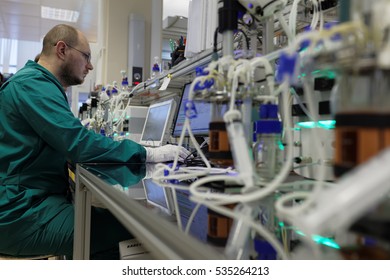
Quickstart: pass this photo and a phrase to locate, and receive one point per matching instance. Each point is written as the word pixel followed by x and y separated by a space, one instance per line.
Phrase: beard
pixel 68 77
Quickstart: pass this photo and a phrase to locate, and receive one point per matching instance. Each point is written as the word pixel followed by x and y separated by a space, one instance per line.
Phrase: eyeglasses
pixel 86 55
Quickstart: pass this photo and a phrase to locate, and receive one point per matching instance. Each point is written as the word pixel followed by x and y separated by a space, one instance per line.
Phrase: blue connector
pixel 306 43
pixel 125 82
pixel 287 66
pixel 166 172
pixel 200 72
pixel 190 110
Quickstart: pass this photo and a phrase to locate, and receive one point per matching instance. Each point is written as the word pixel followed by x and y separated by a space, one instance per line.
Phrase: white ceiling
pixel 21 19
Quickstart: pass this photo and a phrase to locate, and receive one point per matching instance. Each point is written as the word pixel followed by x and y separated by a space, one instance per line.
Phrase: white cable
pixel 177 210
pixel 258 194
pixel 269 72
pixel 192 217
pixel 285 27
pixel 321 12
pixel 260 229
pixel 315 18
pixel 293 17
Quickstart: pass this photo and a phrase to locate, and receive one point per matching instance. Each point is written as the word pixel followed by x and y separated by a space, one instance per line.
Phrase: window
pixel 8 56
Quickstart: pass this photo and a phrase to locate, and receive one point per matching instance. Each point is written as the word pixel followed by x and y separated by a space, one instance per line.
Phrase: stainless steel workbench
pixel 146 225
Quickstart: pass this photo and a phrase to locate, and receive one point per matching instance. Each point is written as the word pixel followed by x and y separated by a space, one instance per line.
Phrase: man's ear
pixel 61 49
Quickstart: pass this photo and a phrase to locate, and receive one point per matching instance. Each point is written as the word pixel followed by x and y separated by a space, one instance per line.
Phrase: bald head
pixel 61 32
pixel 66 54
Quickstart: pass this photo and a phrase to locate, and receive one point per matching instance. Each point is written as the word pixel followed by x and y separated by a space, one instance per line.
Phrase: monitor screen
pixel 158 196
pixel 200 124
pixel 157 123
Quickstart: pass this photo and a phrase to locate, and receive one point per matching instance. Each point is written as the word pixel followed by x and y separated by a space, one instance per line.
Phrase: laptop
pixel 156 130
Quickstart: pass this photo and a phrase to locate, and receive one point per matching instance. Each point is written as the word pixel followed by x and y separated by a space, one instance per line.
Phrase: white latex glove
pixel 166 153
pixel 151 169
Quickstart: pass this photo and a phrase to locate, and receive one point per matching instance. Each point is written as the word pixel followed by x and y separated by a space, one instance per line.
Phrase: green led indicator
pixel 281 146
pixel 320 73
pixel 322 240
pixel 326 124
pixel 325 241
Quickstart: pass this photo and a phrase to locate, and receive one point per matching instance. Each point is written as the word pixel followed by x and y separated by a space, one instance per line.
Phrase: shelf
pixel 180 75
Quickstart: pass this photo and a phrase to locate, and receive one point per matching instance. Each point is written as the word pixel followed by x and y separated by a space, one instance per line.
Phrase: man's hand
pixel 166 153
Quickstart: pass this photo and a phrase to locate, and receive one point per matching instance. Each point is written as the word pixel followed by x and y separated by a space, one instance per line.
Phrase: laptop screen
pixel 158 196
pixel 157 123
pixel 200 124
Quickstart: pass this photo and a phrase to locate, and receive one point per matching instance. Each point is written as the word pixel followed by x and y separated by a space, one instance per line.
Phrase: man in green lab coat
pixel 38 135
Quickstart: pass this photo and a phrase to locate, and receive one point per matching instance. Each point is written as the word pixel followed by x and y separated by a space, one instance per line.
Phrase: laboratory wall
pixel 117 17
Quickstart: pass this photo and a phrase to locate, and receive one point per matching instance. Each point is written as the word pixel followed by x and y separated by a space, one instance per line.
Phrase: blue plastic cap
pixel 114 90
pixel 156 67
pixel 268 111
pixel 264 250
pixel 286 66
pixel 268 127
pixel 125 82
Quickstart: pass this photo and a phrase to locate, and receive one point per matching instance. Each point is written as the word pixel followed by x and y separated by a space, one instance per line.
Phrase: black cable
pixel 246 37
pixel 215 39
pixel 193 160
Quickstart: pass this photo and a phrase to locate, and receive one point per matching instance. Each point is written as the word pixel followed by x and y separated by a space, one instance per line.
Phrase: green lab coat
pixel 38 134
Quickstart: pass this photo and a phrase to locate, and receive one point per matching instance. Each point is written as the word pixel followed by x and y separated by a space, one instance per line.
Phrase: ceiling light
pixel 59 14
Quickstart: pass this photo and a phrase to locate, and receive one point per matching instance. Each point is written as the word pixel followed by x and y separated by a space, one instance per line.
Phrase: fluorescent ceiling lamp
pixel 59 14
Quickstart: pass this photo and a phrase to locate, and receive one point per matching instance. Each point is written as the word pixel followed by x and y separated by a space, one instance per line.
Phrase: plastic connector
pixel 200 71
pixel 287 67
pixel 205 85
pixel 305 43
pixel 190 110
